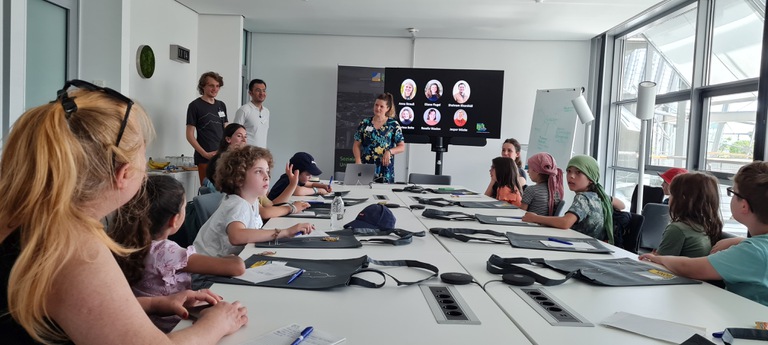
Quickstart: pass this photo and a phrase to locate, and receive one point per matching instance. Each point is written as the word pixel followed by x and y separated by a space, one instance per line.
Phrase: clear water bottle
pixel 337 212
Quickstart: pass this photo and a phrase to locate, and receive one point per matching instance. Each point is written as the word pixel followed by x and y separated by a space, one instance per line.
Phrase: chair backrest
pixel 204 190
pixel 560 209
pixel 205 205
pixel 338 176
pixel 429 179
pixel 656 219
pixel 650 195
pixel 632 238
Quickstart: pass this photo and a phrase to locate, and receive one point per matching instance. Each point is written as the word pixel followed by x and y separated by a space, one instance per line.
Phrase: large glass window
pixel 730 135
pixel 661 52
pixel 669 134
pixel 628 145
pixel 736 40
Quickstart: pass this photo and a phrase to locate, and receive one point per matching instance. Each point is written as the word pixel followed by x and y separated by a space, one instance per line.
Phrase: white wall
pixel 220 49
pixel 300 71
pixel 166 95
pixel 100 43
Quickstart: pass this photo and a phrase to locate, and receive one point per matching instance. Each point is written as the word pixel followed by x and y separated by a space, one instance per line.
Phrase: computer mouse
pixel 417 207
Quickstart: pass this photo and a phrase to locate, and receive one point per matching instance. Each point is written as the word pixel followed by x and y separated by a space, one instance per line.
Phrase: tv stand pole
pixel 438 147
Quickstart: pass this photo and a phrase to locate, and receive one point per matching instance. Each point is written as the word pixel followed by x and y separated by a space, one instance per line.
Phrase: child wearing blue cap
pixel 303 165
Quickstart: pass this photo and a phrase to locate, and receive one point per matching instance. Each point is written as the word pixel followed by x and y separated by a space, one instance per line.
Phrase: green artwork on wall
pixel 145 61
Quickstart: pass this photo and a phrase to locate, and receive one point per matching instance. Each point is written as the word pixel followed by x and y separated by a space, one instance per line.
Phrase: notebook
pixel 359 174
pixel 287 334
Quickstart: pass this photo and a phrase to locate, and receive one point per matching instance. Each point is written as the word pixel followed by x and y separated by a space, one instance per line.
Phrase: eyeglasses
pixel 68 103
pixel 731 193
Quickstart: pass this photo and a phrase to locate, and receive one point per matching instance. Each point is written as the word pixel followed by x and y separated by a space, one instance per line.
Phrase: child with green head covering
pixel 591 212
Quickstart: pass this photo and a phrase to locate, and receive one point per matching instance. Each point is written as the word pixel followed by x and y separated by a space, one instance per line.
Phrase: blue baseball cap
pixel 305 162
pixel 374 216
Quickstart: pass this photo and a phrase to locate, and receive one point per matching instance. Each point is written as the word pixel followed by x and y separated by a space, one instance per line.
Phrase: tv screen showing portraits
pixel 447 102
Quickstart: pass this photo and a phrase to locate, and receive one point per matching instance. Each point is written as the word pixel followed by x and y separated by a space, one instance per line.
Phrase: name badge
pixel 369 129
pixel 222 114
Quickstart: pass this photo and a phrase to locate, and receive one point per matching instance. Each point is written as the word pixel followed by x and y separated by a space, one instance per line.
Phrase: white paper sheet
pixel 267 272
pixel 314 233
pixel 653 328
pixel 287 334
pixel 575 245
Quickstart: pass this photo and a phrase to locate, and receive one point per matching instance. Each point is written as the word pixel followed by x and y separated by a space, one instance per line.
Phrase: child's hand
pixel 529 217
pixel 300 206
pixel 649 257
pixel 293 175
pixel 328 188
pixel 304 228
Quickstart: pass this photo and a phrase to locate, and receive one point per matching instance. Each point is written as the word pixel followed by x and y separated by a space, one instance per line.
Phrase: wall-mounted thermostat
pixel 179 53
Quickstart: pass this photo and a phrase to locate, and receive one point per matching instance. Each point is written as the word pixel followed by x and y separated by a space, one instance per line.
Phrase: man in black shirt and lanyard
pixel 207 116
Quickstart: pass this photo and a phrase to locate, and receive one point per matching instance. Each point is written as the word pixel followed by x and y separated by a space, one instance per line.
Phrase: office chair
pixel 655 220
pixel 632 239
pixel 559 208
pixel 429 179
pixel 650 195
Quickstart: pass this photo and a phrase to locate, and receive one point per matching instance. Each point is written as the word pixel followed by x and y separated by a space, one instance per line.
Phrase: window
pixel 669 134
pixel 661 52
pixel 736 40
pixel 730 135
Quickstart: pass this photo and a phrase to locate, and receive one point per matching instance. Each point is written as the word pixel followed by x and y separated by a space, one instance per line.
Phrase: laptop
pixel 359 174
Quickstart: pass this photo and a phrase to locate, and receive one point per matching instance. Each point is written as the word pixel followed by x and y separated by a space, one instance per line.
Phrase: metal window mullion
pixel 761 120
pixel 697 128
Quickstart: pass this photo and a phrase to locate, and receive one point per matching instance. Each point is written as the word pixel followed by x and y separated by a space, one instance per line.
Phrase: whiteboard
pixel 554 124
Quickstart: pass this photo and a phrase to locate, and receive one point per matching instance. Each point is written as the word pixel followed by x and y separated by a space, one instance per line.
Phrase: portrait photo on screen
pixel 408 89
pixel 460 118
pixel 433 90
pixel 406 115
pixel 461 92
pixel 432 116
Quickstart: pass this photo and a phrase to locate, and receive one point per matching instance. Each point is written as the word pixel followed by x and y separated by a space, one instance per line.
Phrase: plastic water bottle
pixel 337 212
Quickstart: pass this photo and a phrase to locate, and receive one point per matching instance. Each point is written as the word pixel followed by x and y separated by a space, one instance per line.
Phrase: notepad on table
pixel 574 245
pixel 268 271
pixel 653 328
pixel 289 333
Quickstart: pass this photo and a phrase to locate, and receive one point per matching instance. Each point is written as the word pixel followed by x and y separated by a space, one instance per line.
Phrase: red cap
pixel 668 175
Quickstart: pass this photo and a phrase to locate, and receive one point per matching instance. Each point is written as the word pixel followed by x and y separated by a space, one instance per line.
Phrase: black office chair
pixel 632 238
pixel 650 195
pixel 655 220
pixel 429 179
pixel 559 209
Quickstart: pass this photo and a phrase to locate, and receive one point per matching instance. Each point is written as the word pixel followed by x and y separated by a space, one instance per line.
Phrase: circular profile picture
pixel 432 116
pixel 408 89
pixel 460 117
pixel 406 115
pixel 461 92
pixel 433 90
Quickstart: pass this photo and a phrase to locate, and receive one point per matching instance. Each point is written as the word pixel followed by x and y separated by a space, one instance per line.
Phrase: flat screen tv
pixel 447 102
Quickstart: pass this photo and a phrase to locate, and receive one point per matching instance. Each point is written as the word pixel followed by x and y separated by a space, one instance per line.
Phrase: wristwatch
pixel 314 189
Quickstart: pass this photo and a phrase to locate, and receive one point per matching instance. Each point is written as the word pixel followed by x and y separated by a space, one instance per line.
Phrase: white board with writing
pixel 554 124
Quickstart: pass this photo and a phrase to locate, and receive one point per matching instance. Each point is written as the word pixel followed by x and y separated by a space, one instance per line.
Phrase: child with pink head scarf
pixel 542 197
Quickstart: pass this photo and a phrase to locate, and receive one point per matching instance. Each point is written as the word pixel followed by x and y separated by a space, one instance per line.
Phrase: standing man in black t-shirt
pixel 207 116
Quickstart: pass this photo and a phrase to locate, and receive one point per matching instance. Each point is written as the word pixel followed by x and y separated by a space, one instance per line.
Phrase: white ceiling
pixel 469 19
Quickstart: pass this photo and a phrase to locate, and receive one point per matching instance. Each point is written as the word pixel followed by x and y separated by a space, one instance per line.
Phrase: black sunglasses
pixel 731 193
pixel 68 103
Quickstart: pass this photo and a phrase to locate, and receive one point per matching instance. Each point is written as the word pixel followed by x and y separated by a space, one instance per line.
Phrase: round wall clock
pixel 145 61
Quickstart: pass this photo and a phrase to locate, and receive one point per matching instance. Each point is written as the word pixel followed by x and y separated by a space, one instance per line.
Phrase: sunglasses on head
pixel 69 105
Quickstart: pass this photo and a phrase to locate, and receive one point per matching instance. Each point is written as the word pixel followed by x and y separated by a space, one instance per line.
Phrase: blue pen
pixel 560 241
pixel 331 181
pixel 296 275
pixel 304 334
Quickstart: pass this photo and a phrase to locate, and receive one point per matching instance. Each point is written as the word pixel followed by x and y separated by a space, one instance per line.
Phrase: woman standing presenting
pixel 379 138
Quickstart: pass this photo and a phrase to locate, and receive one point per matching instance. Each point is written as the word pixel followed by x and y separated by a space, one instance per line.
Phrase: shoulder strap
pixel 499 265
pixel 461 234
pixel 447 215
pixel 404 236
pixel 391 263
pixel 440 202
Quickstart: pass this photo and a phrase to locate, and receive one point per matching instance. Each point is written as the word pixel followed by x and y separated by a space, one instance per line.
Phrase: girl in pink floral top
pixel 162 267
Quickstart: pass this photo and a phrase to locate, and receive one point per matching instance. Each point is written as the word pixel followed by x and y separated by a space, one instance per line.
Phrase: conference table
pixel 401 315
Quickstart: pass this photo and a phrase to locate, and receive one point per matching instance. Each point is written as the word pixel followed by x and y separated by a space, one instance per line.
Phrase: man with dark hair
pixel 207 116
pixel 254 115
